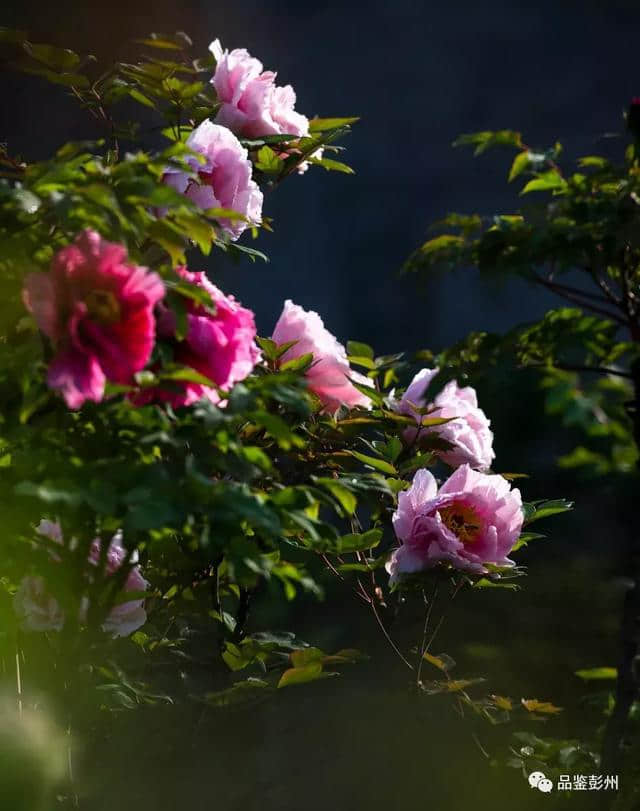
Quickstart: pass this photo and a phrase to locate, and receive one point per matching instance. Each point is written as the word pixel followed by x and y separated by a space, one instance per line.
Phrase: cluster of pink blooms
pixel 38 609
pixel 251 106
pixel 102 313
pixel 475 518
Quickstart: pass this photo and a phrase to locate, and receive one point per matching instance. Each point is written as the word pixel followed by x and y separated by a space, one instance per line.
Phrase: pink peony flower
pixel 124 618
pixel 97 309
pixel 251 103
pixel 329 374
pixel 472 520
pixel 220 345
pixel 224 179
pixel 38 610
pixel 470 434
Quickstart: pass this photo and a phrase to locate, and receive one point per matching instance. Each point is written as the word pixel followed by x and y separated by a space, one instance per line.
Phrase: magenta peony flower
pixel 251 103
pixel 470 434
pixel 474 519
pixel 97 309
pixel 329 374
pixel 220 345
pixel 224 179
pixel 38 610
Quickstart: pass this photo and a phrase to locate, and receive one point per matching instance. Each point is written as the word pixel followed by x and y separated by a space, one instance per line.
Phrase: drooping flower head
pixel 38 610
pixel 97 309
pixel 469 431
pixel 220 344
pixel 329 374
pixel 224 178
pixel 251 103
pixel 474 519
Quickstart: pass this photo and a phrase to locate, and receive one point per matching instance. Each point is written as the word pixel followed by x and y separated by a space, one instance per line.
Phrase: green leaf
pixel 372 461
pixel 547 181
pixel 269 347
pixel 544 707
pixel 58 59
pixel 359 350
pixel 299 364
pixel 303 675
pixel 306 656
pixel 366 363
pixel 343 496
pixel 441 244
pixel 278 429
pixel 140 97
pixel 325 124
pixel 486 583
pixel 526 538
pixel 520 163
pixel 368 391
pixel 543 509
pixel 268 161
pixel 359 542
pixel 442 661
pixel 598 674
pixel 240 693
pixel 488 138
pixel 186 373
pixel 331 165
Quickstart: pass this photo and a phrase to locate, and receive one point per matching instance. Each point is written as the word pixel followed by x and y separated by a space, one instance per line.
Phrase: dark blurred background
pixel 418 74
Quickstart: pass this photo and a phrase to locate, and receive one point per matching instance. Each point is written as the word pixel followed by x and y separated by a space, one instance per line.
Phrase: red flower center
pixel 462 521
pixel 103 306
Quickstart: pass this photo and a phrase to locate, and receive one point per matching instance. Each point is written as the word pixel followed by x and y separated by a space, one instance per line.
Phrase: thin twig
pixel 427 617
pixel 577 296
pixel 388 638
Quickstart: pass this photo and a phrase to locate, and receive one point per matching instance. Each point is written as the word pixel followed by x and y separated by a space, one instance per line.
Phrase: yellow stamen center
pixel 462 521
pixel 103 306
